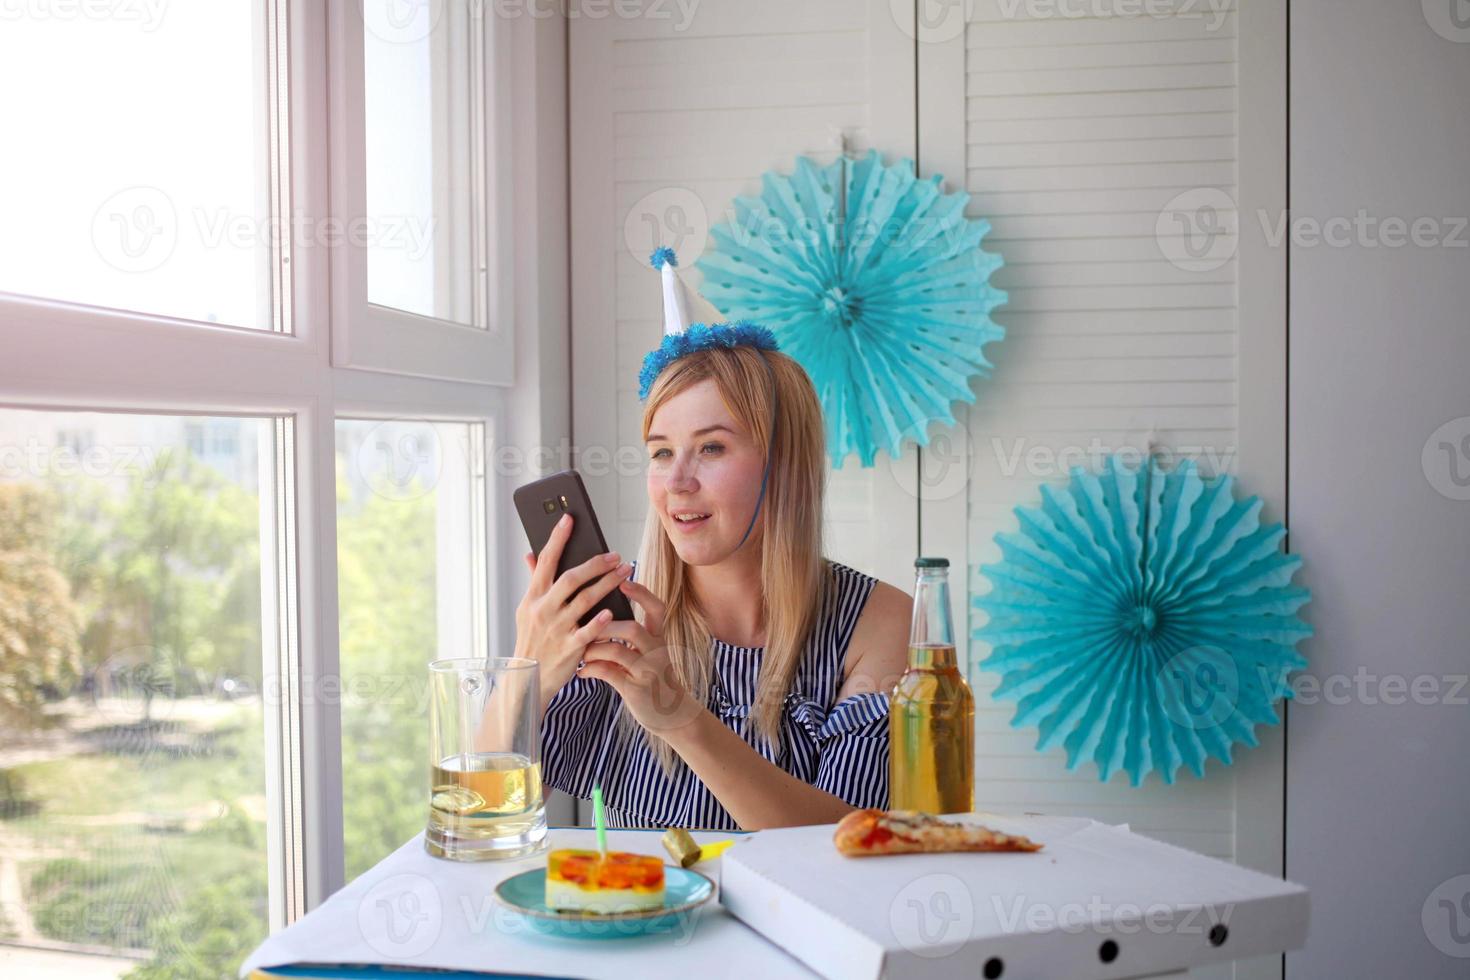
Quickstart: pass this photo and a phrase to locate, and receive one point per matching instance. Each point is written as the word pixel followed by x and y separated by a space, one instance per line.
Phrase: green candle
pixel 598 820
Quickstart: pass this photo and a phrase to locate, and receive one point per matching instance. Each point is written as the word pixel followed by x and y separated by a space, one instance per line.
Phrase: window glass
pixel 132 769
pixel 420 229
pixel 408 496
pixel 135 167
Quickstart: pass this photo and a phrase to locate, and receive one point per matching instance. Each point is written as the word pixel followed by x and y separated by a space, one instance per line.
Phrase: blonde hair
pixel 793 569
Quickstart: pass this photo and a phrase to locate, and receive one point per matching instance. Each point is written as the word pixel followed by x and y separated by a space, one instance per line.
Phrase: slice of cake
pixel 585 881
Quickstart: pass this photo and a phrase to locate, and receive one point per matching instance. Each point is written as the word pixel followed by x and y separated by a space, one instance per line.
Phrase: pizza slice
pixel 870 832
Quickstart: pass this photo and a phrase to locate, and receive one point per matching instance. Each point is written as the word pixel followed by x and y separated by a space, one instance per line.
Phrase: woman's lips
pixel 690 525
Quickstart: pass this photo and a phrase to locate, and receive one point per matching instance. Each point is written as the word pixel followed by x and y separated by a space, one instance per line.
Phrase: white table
pixel 414 910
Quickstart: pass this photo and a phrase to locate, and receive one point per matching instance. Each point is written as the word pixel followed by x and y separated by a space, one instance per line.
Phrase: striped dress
pixel 837 746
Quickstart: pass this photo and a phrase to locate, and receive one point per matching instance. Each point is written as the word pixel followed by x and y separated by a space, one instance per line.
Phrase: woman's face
pixel 702 462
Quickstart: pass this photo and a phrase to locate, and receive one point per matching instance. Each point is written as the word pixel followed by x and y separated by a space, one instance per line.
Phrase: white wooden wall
pixel 1076 135
pixel 1072 134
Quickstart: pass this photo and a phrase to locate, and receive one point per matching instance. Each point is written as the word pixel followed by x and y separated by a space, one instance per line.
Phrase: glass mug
pixel 485 799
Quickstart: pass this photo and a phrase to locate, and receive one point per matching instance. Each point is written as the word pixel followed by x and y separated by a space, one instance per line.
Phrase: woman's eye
pixel 709 448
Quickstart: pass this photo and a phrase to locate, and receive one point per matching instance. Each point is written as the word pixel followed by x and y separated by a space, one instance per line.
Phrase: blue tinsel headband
pixel 701 337
pixel 698 337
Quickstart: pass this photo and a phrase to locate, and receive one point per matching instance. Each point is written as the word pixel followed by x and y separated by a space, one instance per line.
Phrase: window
pixel 133 802
pixel 410 563
pixel 420 106
pixel 173 551
pixel 122 206
pixel 425 233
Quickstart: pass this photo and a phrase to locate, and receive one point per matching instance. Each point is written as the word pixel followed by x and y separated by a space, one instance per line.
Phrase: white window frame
pixel 66 356
pixel 380 338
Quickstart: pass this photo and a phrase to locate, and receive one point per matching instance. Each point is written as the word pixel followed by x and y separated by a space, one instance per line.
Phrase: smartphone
pixel 541 504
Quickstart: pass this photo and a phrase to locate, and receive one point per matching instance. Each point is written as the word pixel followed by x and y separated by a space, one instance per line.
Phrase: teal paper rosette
pixel 875 282
pixel 1144 619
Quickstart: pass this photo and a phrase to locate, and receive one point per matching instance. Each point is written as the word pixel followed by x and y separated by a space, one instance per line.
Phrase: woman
pixel 752 692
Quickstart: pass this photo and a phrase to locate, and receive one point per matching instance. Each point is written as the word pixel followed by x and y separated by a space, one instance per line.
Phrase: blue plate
pixel 525 894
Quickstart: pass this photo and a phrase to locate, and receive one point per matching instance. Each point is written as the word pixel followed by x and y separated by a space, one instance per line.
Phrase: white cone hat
pixel 683 306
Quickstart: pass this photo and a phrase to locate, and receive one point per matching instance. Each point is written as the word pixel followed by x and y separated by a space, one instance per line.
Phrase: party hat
pixel 683 307
pixel 691 323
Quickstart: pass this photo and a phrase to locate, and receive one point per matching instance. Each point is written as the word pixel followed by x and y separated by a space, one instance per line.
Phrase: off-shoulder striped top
pixel 838 746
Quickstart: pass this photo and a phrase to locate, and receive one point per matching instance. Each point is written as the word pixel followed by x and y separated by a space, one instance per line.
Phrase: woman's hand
pixel 547 616
pixel 634 659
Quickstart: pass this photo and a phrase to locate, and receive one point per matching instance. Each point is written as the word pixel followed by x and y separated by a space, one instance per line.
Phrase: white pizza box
pixel 1098 901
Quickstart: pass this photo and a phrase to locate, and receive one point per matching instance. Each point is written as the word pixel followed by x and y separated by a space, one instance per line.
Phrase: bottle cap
pixel 931 562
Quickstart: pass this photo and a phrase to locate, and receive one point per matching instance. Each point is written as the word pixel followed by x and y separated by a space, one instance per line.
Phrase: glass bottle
pixel 931 722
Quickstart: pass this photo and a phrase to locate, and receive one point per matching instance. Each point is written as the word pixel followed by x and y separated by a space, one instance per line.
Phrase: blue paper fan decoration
pixel 875 282
pixel 1143 619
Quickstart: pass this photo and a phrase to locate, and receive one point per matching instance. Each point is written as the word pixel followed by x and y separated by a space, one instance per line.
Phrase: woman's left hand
pixel 639 668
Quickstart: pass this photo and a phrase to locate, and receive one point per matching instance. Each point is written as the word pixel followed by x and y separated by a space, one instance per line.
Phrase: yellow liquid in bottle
pixel 931 727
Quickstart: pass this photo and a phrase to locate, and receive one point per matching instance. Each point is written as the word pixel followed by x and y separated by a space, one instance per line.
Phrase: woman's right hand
pixel 546 618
